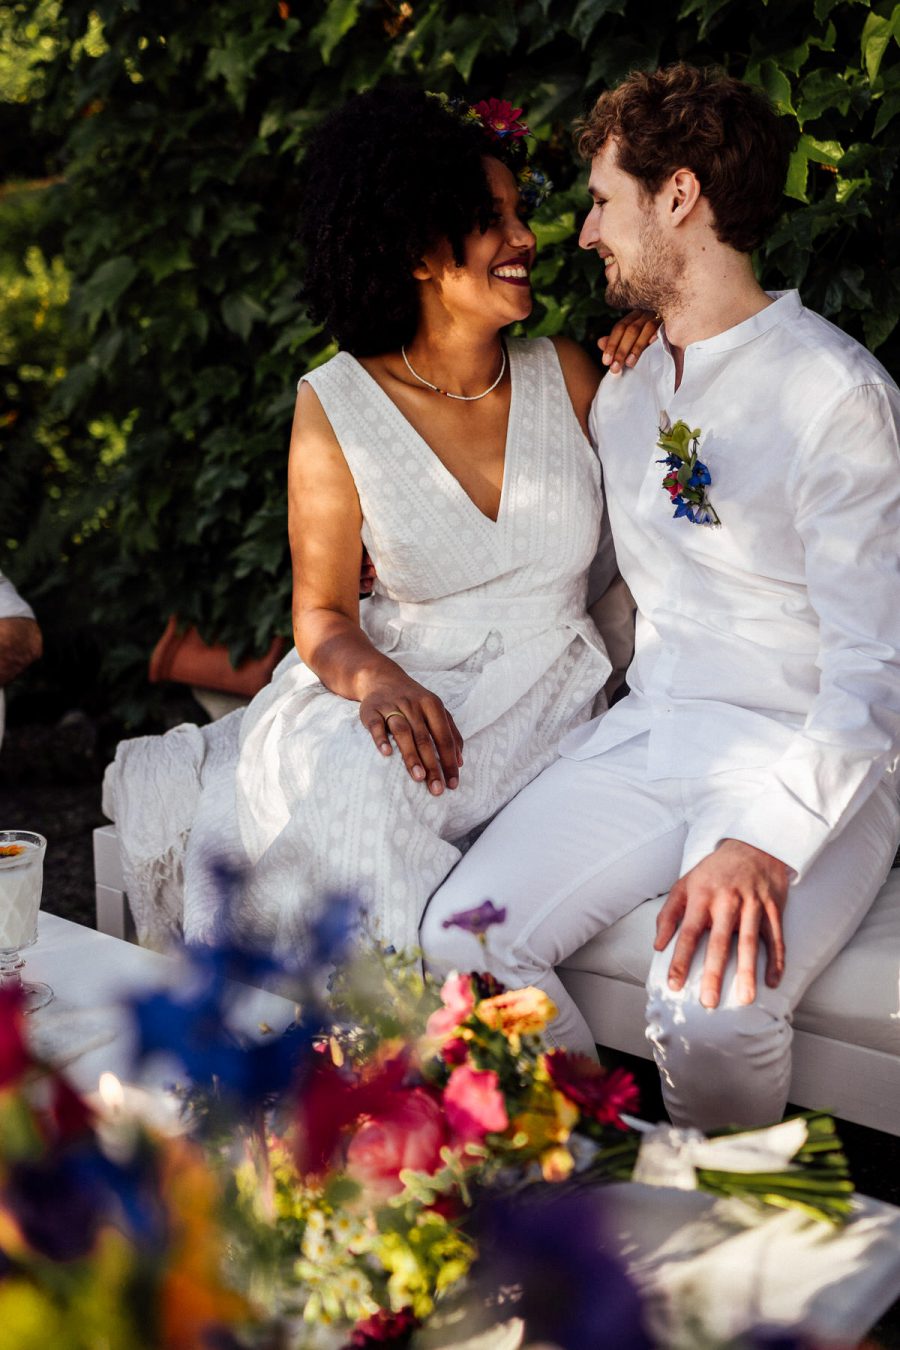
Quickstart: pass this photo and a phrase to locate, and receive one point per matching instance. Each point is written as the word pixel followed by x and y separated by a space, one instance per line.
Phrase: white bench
pixel 846 1029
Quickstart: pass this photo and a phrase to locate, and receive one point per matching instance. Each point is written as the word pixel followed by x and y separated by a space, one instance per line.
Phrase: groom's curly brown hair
pixel 724 130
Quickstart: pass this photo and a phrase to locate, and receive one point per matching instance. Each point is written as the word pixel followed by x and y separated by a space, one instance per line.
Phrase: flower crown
pixel 502 124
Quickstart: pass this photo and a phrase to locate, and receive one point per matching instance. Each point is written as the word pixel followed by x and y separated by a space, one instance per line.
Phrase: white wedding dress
pixel 489 615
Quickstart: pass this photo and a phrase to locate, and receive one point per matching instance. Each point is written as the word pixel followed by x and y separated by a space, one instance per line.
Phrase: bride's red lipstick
pixel 513 262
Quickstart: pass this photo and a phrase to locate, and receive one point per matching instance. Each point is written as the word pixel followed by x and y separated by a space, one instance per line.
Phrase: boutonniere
pixel 687 477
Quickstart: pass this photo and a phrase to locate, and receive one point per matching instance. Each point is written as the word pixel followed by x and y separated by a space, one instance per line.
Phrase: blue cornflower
pixel 700 475
pixel 194 1031
pixel 334 931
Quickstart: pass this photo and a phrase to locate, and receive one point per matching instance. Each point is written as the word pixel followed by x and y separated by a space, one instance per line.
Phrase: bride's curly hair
pixel 386 177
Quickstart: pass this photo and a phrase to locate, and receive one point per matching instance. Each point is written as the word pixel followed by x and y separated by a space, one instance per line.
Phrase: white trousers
pixel 589 840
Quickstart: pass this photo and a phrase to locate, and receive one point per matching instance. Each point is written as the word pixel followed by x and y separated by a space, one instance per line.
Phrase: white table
pixel 84 1029
pixel 693 1256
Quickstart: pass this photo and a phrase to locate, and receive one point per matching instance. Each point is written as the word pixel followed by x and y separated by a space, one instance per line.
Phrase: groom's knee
pixel 720 1066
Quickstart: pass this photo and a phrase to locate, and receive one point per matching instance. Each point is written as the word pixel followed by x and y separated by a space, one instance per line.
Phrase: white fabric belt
pixel 483 612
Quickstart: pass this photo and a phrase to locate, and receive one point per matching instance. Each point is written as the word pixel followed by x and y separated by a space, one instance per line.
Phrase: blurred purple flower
pixel 477 921
pixel 574 1293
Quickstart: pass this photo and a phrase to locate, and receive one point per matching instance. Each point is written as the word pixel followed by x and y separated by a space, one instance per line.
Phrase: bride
pixel 459 459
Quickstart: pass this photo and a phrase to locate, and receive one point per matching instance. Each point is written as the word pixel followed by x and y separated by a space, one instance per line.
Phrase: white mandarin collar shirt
pixel 768 647
pixel 12 606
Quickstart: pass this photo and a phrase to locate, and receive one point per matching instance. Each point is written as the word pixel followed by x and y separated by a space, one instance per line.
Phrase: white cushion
pixel 856 999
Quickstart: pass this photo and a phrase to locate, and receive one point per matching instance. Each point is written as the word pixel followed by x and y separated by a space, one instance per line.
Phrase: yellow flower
pixel 547 1120
pixel 557 1164
pixel 523 1012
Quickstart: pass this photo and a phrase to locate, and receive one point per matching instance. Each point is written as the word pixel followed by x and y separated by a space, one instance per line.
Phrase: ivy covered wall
pixel 149 357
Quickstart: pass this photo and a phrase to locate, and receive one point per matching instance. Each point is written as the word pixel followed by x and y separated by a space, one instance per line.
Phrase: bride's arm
pixel 610 604
pixel 324 522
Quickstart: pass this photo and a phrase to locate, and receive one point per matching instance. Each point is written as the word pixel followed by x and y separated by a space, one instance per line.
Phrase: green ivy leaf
pixel 876 36
pixel 557 231
pixel 588 13
pixel 339 18
pixel 240 312
pixel 820 92
pixel 773 80
pixel 707 10
pixel 103 290
pixel 821 152
pixel 878 324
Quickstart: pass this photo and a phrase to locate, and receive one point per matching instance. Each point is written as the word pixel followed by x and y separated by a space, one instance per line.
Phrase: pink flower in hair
pixel 501 118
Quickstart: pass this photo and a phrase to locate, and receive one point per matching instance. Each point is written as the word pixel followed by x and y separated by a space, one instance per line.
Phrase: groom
pixel 749 773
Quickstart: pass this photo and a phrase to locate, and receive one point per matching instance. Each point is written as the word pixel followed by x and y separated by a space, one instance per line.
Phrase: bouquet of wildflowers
pixel 401 1149
pixel 106 1239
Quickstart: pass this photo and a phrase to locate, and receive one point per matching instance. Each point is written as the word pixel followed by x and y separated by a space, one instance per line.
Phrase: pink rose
pixel 455 1051
pixel 458 999
pixel 409 1131
pixel 384 1328
pixel 474 1104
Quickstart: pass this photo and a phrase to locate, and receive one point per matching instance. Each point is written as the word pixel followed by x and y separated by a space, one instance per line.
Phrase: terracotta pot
pixel 185 658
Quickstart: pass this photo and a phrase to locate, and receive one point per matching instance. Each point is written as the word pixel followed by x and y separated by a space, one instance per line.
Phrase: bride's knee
pixel 446 947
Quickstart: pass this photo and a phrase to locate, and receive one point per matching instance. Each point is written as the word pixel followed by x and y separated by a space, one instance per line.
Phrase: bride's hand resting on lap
pixel 426 735
pixel 325 521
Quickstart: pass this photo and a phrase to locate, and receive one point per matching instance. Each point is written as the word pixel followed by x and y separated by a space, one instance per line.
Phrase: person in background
pixel 20 639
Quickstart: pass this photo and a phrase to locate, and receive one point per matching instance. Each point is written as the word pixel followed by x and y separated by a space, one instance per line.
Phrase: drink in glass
pixel 21 878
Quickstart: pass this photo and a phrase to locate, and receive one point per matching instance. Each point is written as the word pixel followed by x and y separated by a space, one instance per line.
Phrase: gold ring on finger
pixel 395 713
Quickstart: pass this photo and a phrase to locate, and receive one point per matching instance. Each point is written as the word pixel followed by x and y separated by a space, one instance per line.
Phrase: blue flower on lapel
pixel 687 477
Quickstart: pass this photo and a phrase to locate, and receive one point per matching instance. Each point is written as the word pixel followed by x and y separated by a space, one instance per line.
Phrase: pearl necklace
pixel 463 398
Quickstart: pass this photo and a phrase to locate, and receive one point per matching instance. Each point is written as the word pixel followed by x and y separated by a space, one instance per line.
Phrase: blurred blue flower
pixel 334 931
pixel 683 508
pixel 58 1215
pixel 61 1201
pixel 700 476
pixel 194 1031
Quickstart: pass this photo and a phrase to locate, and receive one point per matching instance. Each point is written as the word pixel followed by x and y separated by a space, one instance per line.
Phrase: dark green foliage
pixel 178 132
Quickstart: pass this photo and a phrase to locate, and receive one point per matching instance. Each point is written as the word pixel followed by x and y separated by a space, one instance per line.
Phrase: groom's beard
pixel 654 280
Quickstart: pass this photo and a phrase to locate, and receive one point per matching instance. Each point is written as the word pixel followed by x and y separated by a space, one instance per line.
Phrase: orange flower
pixel 194 1296
pixel 523 1012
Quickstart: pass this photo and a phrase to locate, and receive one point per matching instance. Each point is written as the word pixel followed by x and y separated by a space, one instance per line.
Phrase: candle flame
pixel 112 1094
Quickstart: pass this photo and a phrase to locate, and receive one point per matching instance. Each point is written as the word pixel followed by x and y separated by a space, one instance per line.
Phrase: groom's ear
pixel 682 194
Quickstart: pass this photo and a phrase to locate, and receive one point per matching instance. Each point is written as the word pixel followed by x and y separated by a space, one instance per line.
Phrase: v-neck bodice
pixel 426 536
pixel 510 441
pixel 448 575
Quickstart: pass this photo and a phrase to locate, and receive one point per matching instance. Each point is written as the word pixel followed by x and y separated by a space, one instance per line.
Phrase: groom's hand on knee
pixel 737 889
